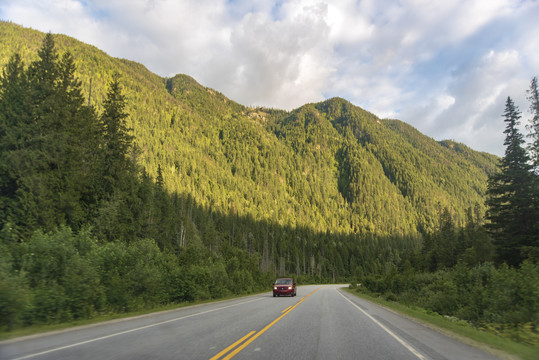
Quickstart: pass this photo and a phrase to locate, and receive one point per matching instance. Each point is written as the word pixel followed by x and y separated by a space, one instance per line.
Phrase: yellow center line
pixel 244 345
pixel 286 309
pixel 232 346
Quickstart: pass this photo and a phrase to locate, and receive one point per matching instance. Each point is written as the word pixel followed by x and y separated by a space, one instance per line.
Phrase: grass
pixel 45 328
pixel 500 347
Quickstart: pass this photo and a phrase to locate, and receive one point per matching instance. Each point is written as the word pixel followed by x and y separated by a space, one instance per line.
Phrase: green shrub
pixel 14 293
pixel 48 304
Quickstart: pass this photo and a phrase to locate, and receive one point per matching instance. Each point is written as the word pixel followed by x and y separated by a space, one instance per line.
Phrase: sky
pixel 445 67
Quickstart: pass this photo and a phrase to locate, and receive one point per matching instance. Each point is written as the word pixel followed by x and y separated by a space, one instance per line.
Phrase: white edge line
pixel 128 331
pixel 403 343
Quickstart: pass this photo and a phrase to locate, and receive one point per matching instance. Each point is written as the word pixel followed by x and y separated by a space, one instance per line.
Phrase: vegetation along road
pixel 322 322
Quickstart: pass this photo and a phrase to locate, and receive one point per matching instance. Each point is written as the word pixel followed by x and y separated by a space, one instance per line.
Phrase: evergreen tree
pixel 116 164
pixel 533 148
pixel 533 127
pixel 121 207
pixel 159 179
pixel 80 129
pixel 48 144
pixel 15 124
pixel 509 195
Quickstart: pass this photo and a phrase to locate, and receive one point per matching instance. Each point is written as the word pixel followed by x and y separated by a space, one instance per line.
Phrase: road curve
pixel 322 322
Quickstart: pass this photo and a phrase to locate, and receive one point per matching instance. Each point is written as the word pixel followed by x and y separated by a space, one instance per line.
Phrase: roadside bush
pixel 64 285
pixel 441 295
pixel 83 289
pixel 472 287
pixel 219 280
pixel 133 275
pixel 201 279
pixel 145 269
pixel 513 295
pixel 482 294
pixel 181 286
pixel 14 293
pixel 48 304
pixel 47 256
pixel 242 281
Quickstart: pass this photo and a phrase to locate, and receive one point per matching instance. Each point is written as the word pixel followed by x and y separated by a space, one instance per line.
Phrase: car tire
pixel 274 295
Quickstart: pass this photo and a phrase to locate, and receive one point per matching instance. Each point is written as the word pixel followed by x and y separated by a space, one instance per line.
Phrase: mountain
pixel 329 166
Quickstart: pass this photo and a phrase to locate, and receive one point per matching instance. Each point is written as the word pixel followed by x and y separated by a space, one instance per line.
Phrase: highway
pixel 321 322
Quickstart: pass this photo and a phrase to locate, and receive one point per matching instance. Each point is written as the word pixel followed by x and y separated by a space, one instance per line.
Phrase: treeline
pixel 62 275
pixel 485 272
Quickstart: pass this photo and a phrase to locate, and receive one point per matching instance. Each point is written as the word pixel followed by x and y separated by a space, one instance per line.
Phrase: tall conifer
pixel 117 139
pixel 15 124
pixel 509 194
pixel 48 143
pixel 533 148
pixel 533 127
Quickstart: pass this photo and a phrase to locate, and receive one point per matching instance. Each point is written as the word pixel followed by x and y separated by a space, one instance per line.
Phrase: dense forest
pixel 122 190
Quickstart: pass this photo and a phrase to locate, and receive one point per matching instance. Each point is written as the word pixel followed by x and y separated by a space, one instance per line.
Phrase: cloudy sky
pixel 444 66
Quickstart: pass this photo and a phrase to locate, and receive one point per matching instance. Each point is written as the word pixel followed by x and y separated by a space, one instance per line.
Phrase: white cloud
pixel 445 67
pixel 51 16
pixel 480 96
pixel 278 63
pixel 350 22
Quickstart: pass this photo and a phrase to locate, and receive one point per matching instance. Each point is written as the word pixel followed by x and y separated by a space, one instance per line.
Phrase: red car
pixel 284 286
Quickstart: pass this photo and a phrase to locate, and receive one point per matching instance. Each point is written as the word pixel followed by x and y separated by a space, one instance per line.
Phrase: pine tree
pixel 533 127
pixel 117 139
pixel 48 143
pixel 66 141
pixel 159 179
pixel 34 157
pixel 15 125
pixel 80 129
pixel 509 194
pixel 533 149
pixel 121 205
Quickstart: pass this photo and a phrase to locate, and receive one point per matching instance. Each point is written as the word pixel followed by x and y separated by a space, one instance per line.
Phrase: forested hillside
pixel 329 166
pixel 111 174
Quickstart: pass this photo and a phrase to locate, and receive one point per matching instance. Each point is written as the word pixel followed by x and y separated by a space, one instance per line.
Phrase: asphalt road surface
pixel 321 322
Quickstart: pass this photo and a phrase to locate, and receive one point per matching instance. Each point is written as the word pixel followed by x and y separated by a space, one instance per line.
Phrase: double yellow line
pixel 253 335
pixel 218 356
